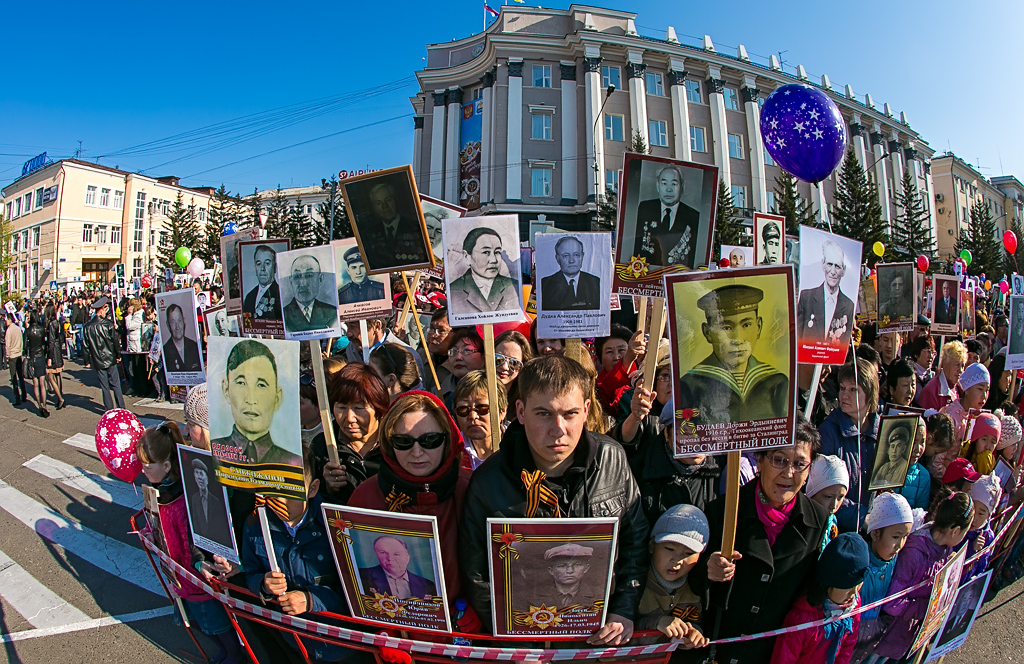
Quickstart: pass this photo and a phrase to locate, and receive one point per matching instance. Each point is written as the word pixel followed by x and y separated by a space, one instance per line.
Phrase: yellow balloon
pixel 879 249
pixel 988 285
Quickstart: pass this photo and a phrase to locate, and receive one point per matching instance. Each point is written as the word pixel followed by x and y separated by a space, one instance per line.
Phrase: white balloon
pixel 195 267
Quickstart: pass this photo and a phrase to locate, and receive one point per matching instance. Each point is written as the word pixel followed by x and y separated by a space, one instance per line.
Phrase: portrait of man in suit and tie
pixel 570 287
pixel 1015 343
pixel 264 299
pixel 181 352
pixel 824 312
pixel 487 281
pixel 313 304
pixel 666 227
pixel 946 305
pixel 206 508
pixel 391 575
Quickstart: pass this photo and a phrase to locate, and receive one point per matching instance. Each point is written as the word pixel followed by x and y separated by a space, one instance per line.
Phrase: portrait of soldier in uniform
pixel 361 287
pixel 771 240
pixel 892 456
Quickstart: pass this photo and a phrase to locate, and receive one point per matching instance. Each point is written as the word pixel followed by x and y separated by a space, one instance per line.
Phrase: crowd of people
pixel 583 436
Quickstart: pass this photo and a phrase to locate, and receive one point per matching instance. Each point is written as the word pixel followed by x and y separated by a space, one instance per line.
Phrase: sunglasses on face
pixel 428 441
pixel 512 363
pixel 481 410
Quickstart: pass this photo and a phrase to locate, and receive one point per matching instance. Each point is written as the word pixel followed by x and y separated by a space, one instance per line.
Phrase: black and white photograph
pixel 482 273
pixel 961 616
pixel 218 323
pixel 206 501
pixel 867 305
pixel 435 211
pixel 384 208
pixel 897 305
pixel 892 453
pixel 829 277
pixel 666 221
pixel 179 326
pixel 229 262
pixel 360 294
pixel 260 286
pixel 575 276
pixel 1015 337
pixel 737 256
pixel 309 292
pixel 769 239
pixel 253 402
pixel 1017 284
pixel 945 304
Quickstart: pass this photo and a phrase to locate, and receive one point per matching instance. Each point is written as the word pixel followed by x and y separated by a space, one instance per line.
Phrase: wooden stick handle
pixel 732 502
pixel 641 316
pixel 408 300
pixel 321 396
pixel 492 387
pixel 657 327
pixel 423 337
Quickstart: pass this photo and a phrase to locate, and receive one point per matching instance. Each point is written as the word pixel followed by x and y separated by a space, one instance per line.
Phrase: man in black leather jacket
pixel 102 350
pixel 586 471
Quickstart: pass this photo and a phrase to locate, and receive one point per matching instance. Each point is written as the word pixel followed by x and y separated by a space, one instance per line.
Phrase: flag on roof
pixel 490 10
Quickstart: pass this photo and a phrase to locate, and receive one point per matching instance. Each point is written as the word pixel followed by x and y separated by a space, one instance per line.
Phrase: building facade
pixel 72 222
pixel 958 186
pixel 518 119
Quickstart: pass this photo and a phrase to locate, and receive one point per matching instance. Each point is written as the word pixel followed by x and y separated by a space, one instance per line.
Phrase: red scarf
pixel 772 518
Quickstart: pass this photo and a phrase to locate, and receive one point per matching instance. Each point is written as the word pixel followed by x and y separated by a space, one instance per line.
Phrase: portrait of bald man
pixel 825 312
pixel 306 311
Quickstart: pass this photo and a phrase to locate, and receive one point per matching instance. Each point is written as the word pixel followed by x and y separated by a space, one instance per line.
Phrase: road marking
pixel 85 624
pixel 82 441
pixel 104 488
pixel 39 605
pixel 110 555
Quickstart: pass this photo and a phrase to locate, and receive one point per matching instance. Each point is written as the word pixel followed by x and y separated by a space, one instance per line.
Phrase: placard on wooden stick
pixel 321 396
pixel 657 329
pixel 408 300
pixel 423 337
pixel 492 387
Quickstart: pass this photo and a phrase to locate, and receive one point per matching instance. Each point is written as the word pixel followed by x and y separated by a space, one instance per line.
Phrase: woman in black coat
pixel 54 353
pixel 779 531
pixel 35 350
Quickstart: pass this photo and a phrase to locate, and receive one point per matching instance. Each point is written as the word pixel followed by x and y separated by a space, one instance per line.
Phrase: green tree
pixel 791 205
pixel 342 225
pixel 6 255
pixel 1013 261
pixel 911 234
pixel 728 227
pixel 222 211
pixel 297 226
pixel 248 210
pixel 182 231
pixel 638 144
pixel 981 239
pixel 607 211
pixel 858 214
pixel 277 215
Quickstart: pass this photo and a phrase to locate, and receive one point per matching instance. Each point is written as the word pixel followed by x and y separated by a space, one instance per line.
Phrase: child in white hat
pixel 827 484
pixel 985 493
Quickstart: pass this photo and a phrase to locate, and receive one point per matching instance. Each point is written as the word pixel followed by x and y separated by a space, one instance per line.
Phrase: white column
pixel 595 139
pixel 818 201
pixel 930 193
pixel 486 140
pixel 569 137
pixel 635 69
pixel 878 149
pixel 452 180
pixel 755 147
pixel 896 155
pixel 680 108
pixel 859 149
pixel 719 128
pixel 417 152
pixel 514 174
pixel 437 124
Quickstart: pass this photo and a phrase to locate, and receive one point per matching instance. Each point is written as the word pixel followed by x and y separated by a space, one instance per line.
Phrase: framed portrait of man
pixel 769 239
pixel 206 501
pixel 968 321
pixel 961 616
pixel 666 221
pixel 435 211
pixel 179 332
pixel 309 293
pixel 482 273
pixel 575 283
pixel 202 300
pixel 867 305
pixel 550 577
pixel 733 341
pixel 253 402
pixel 1015 337
pixel 944 587
pixel 390 566
pixel 897 304
pixel 1017 284
pixel 231 278
pixel 218 323
pixel 896 435
pixel 260 287
pixel 828 288
pixel 945 304
pixel 360 295
pixel 384 208
pixel 737 256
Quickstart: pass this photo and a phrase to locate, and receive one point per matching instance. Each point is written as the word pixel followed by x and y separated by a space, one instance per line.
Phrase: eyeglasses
pixel 428 441
pixel 780 462
pixel 438 330
pixel 465 352
pixel 481 410
pixel 513 363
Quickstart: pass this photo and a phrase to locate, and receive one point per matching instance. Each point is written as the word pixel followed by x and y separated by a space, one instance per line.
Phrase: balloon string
pixel 824 206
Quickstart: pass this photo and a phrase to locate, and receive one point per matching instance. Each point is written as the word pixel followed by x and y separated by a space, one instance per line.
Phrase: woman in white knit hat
pixel 197 417
pixel 827 485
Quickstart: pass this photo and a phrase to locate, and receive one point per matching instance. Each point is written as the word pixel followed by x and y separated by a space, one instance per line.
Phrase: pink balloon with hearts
pixel 116 434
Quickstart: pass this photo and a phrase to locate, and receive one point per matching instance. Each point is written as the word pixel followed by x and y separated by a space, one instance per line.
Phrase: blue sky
pixel 115 75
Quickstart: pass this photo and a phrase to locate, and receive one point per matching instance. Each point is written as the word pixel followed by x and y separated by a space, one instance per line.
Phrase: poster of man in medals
pixel 828 288
pixel 309 293
pixel 734 359
pixel 550 577
pixel 666 221
pixel 231 277
pixel 261 299
pixel 360 295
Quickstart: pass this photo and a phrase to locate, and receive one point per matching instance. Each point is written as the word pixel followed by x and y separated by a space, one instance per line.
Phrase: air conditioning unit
pixel 940 197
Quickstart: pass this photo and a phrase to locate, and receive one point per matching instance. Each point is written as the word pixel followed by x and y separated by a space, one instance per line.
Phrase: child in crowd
pixel 197 418
pixel 985 493
pixel 616 354
pixel 157 449
pixel 938 442
pixel 960 476
pixel 827 484
pixel 917 487
pixel 926 551
pixel 1010 433
pixel 984 436
pixel 668 604
pixel 834 592
pixel 974 384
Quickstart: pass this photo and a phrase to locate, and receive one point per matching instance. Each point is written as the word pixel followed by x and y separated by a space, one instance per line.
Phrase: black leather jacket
pixel 101 346
pixel 599 484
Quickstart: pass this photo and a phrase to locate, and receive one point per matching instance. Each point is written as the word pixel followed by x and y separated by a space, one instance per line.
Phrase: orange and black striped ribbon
pixel 276 505
pixel 537 493
pixel 396 500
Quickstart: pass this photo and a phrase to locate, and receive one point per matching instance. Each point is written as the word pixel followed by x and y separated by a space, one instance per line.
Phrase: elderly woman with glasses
pixel 473 414
pixel 465 354
pixel 421 473
pixel 779 531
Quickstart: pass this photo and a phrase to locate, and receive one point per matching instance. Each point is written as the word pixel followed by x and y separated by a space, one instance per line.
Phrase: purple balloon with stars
pixel 803 131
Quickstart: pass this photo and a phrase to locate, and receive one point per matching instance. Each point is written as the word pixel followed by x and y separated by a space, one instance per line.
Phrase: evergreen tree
pixel 981 239
pixel 277 215
pixel 342 225
pixel 790 205
pixel 222 212
pixel 728 227
pixel 607 211
pixel 1013 261
pixel 858 214
pixel 183 231
pixel 297 226
pixel 911 228
pixel 7 257
pixel 638 144
pixel 254 205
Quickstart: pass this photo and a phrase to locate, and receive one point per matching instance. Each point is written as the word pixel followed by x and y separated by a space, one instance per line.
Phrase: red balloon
pixel 922 263
pixel 147 281
pixel 1010 242
pixel 724 263
pixel 116 434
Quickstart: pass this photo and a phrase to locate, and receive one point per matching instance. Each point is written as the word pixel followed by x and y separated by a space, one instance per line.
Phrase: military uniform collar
pixel 756 372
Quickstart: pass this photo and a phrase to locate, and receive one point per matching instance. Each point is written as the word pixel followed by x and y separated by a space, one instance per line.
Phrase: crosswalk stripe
pixel 110 555
pixel 82 441
pixel 104 488
pixel 39 605
pixel 85 624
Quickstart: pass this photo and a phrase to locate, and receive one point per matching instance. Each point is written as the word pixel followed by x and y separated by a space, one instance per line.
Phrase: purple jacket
pixel 920 559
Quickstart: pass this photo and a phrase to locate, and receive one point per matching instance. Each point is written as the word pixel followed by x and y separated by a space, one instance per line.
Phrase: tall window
pixel 35 236
pixel 770 199
pixel 10 209
pixel 17 211
pixel 736 146
pixel 104 197
pixel 542 76
pixel 16 242
pixel 101 235
pixel 24 239
pixel 115 235
pixel 732 99
pixel 768 161
pixel 658 133
pixel 697 139
pixel 541 126
pixel 693 91
pixel 611 179
pixel 39 198
pixel 655 84
pixel 613 127
pixel 28 202
pixel 24 276
pixel 140 221
pixel 739 196
pixel 540 182
pixel 136 267
pixel 90 195
pixel 35 275
pixel 118 200
pixel 87 233
pixel 610 76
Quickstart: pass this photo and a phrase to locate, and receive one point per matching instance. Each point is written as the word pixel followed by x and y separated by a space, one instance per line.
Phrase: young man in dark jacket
pixel 103 351
pixel 587 474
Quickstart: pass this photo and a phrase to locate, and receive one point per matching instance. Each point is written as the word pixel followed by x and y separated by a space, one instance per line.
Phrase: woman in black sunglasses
pixel 421 473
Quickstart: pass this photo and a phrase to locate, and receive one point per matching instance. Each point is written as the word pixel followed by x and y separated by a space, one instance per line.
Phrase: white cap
pixel 889 509
pixel 1010 431
pixel 987 491
pixel 826 471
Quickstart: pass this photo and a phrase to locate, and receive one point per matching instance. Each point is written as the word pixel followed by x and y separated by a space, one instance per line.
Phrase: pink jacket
pixel 809 646
pixel 174 521
pixel 930 396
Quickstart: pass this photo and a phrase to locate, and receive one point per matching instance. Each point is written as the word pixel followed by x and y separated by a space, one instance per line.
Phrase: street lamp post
pixel 334 187
pixel 597 166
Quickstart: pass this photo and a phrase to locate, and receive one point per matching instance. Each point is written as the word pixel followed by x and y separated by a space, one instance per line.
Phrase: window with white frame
pixel 611 179
pixel 697 139
pixel 152 237
pixel 693 91
pixel 24 277
pixel 655 84
pixel 87 233
pixel 90 194
pixel 165 207
pixel 613 127
pixel 140 221
pixel 732 98
pixel 35 236
pixel 202 213
pixel 17 207
pixel 16 242
pixel 104 197
pixel 657 131
pixel 542 76
pixel 540 182
pixel 137 267
pixel 165 239
pixel 541 126
pixel 118 200
pixel 24 239
pixel 115 235
pixel 611 76
pixel 10 209
pixel 736 146
pixel 101 235
pixel 770 199
pixel 28 202
pixel 739 196
pixel 768 161
pixel 35 275
pixel 39 198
